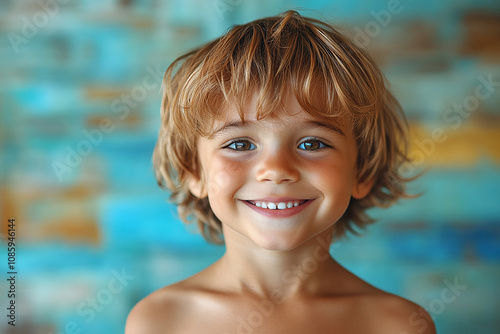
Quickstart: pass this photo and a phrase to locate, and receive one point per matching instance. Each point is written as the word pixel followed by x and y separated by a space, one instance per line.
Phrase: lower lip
pixel 276 213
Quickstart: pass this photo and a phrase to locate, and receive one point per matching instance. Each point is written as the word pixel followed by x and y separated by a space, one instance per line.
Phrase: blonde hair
pixel 272 56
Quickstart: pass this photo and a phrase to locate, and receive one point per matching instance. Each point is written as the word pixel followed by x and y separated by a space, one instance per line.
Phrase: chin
pixel 277 243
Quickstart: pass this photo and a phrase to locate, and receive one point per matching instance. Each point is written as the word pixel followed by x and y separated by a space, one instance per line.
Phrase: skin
pixel 277 275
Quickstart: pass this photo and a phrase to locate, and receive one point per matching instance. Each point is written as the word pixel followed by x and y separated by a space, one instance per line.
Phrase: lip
pixel 284 213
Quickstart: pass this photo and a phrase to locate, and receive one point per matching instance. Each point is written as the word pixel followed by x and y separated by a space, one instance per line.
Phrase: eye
pixel 312 145
pixel 240 145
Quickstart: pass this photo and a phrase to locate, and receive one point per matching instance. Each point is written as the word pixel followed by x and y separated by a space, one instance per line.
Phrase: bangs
pixel 273 57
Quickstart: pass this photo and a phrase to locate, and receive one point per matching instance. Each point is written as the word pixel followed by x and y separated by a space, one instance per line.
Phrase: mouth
pixel 277 205
pixel 278 208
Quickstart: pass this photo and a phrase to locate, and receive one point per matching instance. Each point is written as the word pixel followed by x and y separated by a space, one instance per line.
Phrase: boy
pixel 275 139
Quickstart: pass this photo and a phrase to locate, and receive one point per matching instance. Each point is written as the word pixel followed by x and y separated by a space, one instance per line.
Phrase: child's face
pixel 292 160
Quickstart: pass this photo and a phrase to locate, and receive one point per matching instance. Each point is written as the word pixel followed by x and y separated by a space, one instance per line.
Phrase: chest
pixel 267 317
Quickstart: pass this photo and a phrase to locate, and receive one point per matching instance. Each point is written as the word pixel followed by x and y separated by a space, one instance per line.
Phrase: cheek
pixel 217 182
pixel 223 177
pixel 335 183
pixel 334 179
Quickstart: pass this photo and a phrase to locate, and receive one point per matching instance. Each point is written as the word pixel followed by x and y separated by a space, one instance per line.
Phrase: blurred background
pixel 79 115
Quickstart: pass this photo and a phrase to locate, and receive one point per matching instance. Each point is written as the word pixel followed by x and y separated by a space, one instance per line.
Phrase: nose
pixel 277 168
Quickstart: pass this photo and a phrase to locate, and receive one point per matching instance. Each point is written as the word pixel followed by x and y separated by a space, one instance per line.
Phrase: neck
pixel 247 268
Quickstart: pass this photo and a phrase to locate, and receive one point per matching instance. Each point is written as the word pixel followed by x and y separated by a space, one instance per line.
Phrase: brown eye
pixel 312 145
pixel 241 145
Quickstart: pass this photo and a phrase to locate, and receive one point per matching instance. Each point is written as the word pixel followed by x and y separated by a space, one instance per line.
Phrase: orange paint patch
pixel 8 210
pixel 45 215
pixel 482 36
pixel 463 147
pixel 71 229
pixel 103 93
pixel 132 119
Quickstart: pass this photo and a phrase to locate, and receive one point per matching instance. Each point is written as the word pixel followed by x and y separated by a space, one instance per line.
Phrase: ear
pixel 197 187
pixel 361 189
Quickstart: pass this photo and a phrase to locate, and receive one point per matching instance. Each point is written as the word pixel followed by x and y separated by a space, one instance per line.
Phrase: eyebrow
pixel 240 124
pixel 328 126
pixel 225 126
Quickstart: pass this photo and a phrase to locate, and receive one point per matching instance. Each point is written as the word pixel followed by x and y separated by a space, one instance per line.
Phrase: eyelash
pixel 322 145
pixel 239 140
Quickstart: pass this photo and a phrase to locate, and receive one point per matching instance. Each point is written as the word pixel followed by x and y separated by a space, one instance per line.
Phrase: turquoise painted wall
pixel 79 113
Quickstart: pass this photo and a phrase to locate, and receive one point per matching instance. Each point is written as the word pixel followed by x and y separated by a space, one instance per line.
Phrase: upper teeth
pixel 279 206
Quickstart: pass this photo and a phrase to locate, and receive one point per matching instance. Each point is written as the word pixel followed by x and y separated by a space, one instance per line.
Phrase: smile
pixel 277 205
pixel 281 208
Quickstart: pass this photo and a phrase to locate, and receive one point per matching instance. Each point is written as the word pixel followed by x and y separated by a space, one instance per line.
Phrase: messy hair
pixel 270 57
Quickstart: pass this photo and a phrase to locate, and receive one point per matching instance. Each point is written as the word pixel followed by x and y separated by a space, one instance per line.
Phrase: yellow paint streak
pixel 66 214
pixel 103 93
pixel 8 210
pixel 72 229
pixel 132 119
pixel 463 147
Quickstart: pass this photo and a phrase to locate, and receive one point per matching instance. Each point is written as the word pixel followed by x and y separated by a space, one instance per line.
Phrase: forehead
pixel 290 111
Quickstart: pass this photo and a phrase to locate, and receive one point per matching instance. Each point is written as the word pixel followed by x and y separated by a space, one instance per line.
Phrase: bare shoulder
pixel 382 312
pixel 159 312
pixel 389 313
